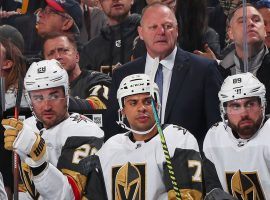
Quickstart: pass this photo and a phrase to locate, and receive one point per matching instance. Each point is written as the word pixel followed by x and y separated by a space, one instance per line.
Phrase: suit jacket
pixel 192 99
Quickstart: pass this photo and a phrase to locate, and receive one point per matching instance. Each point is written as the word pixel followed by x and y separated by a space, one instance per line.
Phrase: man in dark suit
pixel 190 83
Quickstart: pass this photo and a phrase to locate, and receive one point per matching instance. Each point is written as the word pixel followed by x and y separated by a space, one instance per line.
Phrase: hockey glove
pixel 218 194
pixel 30 146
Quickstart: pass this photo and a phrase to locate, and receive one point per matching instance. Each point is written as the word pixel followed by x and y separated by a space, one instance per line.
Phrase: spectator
pixel 193 27
pixel 217 16
pixel 24 20
pixel 52 142
pixel 263 7
pixel 9 8
pixel 258 54
pixel 59 16
pixel 12 70
pixel 113 47
pixel 239 145
pixel 190 82
pixel 94 19
pixel 136 159
pixel 90 85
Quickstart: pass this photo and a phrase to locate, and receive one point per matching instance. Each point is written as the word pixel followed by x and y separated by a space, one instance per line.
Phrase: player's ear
pixel 139 29
pixel 123 112
pixel 7 64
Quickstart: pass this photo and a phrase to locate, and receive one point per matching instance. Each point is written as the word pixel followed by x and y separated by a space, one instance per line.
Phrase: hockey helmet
pixel 136 84
pixel 45 74
pixel 240 86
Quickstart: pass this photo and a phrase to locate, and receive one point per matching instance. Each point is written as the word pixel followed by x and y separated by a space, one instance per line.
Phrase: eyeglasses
pixel 50 98
pixel 236 108
pixel 51 11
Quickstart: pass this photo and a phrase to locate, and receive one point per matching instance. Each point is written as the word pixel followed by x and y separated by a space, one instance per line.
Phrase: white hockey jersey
pixel 3 194
pixel 51 183
pixel 135 170
pixel 243 166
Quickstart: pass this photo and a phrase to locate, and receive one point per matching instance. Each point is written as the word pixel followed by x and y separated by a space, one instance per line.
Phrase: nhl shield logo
pixel 41 70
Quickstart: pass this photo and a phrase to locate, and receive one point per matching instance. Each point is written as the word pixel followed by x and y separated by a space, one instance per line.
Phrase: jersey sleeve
pixel 187 164
pixel 68 180
pixel 98 96
pixel 211 180
pixel 74 150
pixel 98 90
pixel 51 184
pixel 95 187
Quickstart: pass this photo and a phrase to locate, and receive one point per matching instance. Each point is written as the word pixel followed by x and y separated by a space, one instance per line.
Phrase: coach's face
pixel 159 31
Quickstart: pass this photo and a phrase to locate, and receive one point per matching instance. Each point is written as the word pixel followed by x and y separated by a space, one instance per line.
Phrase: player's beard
pixel 246 132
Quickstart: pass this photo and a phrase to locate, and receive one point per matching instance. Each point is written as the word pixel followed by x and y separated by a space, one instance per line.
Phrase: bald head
pixel 154 5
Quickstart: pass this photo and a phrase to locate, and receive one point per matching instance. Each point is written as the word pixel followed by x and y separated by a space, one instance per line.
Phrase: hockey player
pixel 133 163
pixel 52 142
pixel 239 145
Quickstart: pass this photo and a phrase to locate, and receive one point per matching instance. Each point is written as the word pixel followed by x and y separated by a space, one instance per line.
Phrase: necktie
pixel 159 80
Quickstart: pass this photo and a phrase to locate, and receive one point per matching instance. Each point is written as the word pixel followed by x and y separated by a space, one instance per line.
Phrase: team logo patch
pixel 244 185
pixel 41 70
pixel 118 43
pixel 128 182
pixel 79 118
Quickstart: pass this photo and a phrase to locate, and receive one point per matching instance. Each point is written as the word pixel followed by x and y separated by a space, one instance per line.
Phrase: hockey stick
pixel 15 156
pixel 2 96
pixel 176 188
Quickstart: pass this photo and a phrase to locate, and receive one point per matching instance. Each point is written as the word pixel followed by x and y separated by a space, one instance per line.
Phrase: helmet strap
pixel 123 125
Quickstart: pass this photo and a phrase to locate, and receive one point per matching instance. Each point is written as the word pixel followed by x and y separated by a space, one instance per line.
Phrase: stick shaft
pixel 16 165
pixel 166 154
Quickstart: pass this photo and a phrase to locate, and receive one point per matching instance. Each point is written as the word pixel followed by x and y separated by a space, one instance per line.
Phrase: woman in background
pixel 194 33
pixel 12 70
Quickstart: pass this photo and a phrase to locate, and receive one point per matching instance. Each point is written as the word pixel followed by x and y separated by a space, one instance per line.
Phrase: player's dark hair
pixel 18 69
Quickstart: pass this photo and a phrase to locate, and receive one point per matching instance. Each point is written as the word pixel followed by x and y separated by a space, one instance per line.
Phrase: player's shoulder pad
pixel 179 137
pixel 77 148
pixel 82 125
pixel 216 126
pixel 74 142
pixel 81 121
pixel 174 128
pixel 98 78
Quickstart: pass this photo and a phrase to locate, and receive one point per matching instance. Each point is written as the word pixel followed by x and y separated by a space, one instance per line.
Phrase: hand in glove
pixel 30 146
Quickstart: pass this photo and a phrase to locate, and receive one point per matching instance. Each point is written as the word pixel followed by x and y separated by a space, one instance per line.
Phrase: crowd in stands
pixel 209 59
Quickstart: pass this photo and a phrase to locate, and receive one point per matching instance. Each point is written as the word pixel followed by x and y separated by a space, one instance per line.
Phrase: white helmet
pixel 135 84
pixel 240 86
pixel 45 74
